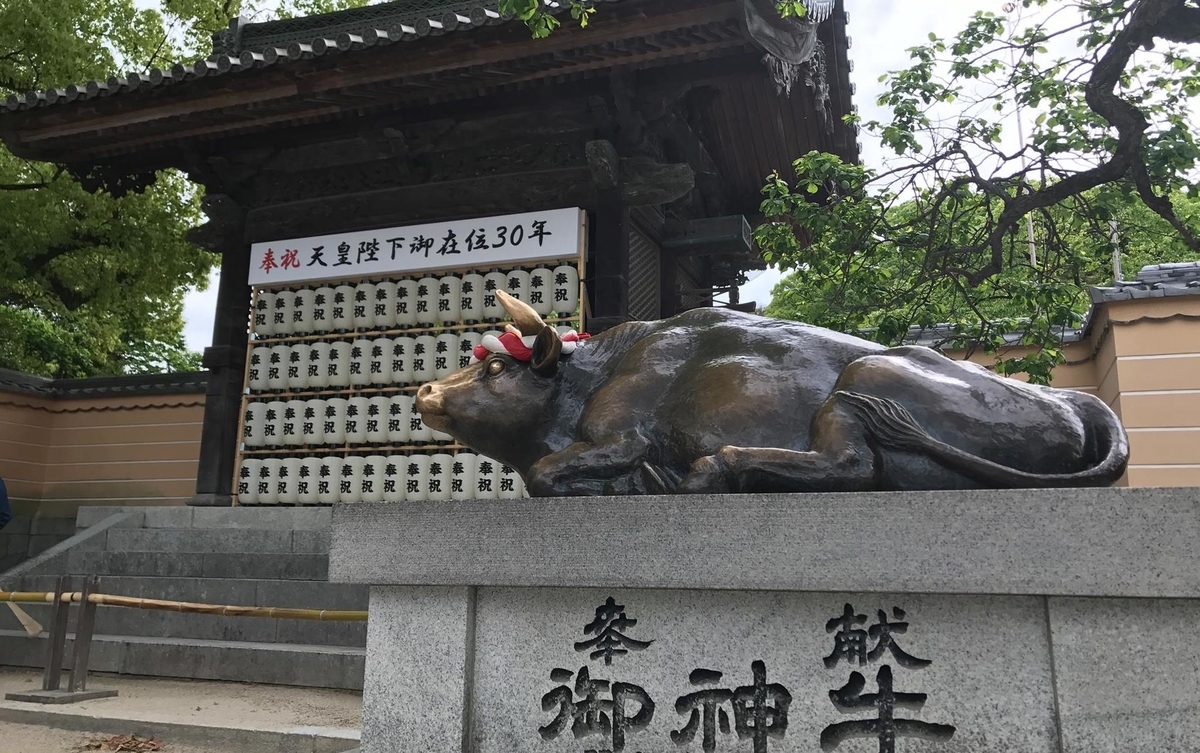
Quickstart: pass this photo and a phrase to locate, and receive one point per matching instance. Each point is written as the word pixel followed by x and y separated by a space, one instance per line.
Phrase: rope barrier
pixel 111 600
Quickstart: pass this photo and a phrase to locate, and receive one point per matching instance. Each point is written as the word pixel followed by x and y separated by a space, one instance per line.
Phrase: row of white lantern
pixel 427 302
pixel 376 478
pixel 380 362
pixel 337 421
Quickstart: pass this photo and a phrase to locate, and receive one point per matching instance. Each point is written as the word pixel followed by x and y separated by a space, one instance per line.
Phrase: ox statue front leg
pixel 614 465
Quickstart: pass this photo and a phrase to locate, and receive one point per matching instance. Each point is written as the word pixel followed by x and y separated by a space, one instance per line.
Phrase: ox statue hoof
pixel 707 476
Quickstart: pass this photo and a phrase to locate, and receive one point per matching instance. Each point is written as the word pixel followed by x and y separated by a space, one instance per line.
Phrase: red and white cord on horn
pixel 521 348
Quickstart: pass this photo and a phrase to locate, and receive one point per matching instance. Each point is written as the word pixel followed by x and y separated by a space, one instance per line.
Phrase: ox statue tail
pixel 895 428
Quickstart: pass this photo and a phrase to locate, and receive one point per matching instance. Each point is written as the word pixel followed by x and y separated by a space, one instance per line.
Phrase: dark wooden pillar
pixel 668 280
pixel 610 286
pixel 226 364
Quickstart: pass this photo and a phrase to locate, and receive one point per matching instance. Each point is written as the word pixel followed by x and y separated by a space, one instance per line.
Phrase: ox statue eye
pixel 495 367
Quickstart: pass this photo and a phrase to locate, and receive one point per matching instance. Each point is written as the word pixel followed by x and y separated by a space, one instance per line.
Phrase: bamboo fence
pixel 110 600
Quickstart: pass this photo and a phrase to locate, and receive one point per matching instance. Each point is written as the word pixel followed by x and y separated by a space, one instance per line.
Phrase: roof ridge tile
pixel 235 50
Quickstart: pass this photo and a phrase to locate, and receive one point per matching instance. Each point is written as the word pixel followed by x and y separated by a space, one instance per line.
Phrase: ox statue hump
pixel 718 401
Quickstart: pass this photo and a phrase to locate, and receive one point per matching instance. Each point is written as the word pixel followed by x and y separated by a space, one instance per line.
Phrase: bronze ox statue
pixel 718 401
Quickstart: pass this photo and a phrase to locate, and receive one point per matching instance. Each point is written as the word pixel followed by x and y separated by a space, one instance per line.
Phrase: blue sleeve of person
pixel 5 509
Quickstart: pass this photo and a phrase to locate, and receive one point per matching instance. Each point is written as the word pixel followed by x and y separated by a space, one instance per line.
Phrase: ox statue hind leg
pixel 841 459
pixel 864 437
pixel 841 456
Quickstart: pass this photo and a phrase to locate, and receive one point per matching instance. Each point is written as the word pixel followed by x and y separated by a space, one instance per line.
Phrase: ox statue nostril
pixel 425 391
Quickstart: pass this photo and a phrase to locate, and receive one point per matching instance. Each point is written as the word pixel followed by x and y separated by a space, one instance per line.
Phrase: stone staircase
pixel 241 556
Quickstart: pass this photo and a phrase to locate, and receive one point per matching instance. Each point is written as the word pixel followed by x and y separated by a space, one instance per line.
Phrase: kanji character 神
pixel 760 710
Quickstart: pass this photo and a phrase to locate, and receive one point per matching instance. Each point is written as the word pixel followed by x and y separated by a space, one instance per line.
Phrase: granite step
pixel 215 540
pixel 227 518
pixel 301 567
pixel 238 556
pixel 236 661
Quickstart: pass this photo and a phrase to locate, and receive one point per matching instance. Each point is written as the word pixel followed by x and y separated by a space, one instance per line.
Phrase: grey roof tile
pixel 1152 281
pixel 244 47
pixel 940 335
pixel 140 384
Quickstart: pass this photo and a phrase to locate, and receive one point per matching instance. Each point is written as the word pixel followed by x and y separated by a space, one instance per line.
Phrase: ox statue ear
pixel 523 315
pixel 547 349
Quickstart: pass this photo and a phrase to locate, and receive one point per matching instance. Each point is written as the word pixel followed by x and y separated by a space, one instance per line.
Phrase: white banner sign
pixel 480 243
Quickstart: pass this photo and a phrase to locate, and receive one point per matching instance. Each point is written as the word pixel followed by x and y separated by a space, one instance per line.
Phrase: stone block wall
pixel 66 444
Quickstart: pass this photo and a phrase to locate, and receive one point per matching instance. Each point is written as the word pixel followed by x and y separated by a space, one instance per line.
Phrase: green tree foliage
pixel 90 284
pixel 193 22
pixel 93 284
pixel 539 20
pixel 941 236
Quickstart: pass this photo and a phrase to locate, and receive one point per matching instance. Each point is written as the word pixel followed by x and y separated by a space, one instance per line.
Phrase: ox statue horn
pixel 547 349
pixel 524 317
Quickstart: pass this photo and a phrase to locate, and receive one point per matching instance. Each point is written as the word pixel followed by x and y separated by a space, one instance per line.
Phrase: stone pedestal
pixel 1050 620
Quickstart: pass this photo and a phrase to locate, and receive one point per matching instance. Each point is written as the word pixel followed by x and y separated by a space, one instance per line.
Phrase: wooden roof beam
pixel 643 182
pixel 503 43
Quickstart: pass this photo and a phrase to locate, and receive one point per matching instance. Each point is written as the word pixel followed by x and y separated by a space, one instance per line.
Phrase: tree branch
pixel 1148 20
pixel 23 186
pixel 1181 25
pixel 32 186
pixel 37 263
pixel 1161 205
pixel 71 300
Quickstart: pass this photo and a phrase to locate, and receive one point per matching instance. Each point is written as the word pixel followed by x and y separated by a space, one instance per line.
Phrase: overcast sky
pixel 881 31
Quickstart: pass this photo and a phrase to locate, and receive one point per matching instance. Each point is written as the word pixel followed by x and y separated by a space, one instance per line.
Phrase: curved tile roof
pixel 244 47
pixel 1154 281
pixel 241 36
pixel 178 383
